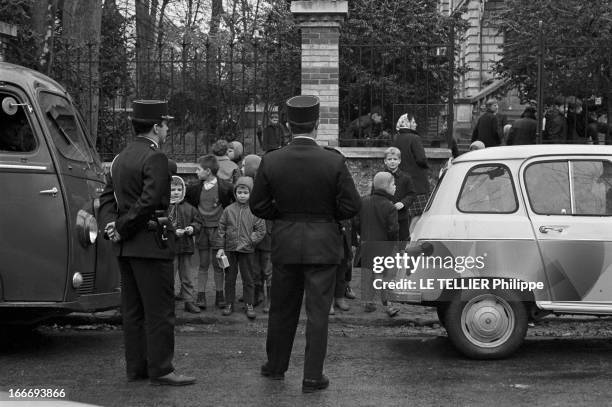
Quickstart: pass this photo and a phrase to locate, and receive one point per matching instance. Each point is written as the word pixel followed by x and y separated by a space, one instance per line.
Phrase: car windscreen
pixel 64 127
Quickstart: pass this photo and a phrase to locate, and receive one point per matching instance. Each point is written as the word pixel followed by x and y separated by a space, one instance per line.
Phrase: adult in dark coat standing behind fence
pixel 306 190
pixel 524 130
pixel 487 127
pixel 136 195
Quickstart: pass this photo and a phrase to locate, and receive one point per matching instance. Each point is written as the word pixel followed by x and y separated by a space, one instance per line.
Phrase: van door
pixel 570 207
pixel 33 231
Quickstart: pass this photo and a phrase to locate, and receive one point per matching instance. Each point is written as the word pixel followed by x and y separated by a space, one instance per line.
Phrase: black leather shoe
pixel 312 385
pixel 191 307
pixel 173 379
pixel 266 372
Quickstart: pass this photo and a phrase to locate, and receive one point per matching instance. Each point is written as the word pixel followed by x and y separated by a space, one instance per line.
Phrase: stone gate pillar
pixel 320 23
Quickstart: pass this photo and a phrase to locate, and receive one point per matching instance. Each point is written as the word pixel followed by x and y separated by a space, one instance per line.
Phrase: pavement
pixel 409 315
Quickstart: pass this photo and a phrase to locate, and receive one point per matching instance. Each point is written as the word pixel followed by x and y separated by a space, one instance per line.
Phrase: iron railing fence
pixel 219 91
pixel 586 97
pixel 393 80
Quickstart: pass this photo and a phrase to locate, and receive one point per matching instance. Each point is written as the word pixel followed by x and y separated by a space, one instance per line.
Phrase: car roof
pixel 27 78
pixel 533 150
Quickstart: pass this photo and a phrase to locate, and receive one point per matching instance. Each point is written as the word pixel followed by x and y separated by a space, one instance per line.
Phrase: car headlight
pixel 87 228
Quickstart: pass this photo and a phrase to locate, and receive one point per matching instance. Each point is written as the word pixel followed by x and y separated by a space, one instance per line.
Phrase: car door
pixel 33 231
pixel 570 207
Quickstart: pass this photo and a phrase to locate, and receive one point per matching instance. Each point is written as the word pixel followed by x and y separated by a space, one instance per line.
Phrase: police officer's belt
pixel 306 217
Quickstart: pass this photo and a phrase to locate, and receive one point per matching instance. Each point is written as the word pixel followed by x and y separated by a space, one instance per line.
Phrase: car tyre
pixel 486 324
pixel 441 311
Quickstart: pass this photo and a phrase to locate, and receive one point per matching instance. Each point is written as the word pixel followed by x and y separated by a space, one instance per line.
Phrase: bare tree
pixel 81 24
pixel 43 24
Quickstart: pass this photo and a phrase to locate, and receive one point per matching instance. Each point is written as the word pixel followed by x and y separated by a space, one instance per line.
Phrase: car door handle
pixel 546 229
pixel 53 191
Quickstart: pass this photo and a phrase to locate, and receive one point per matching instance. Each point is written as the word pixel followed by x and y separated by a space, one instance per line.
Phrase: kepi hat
pixel 303 110
pixel 150 111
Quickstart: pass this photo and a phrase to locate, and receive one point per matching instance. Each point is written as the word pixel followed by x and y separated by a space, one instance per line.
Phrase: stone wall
pixel 362 163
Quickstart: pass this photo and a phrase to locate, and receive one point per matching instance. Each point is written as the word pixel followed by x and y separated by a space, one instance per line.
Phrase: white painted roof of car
pixel 533 150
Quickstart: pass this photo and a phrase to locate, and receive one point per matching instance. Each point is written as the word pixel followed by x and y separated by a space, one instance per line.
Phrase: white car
pixel 513 233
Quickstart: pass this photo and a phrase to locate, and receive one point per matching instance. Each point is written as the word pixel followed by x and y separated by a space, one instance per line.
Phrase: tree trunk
pixel 81 23
pixel 43 25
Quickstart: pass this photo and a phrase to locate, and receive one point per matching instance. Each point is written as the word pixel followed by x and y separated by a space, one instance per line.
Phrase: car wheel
pixel 486 325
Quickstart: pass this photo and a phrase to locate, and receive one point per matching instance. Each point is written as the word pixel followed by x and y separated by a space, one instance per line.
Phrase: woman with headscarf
pixel 414 163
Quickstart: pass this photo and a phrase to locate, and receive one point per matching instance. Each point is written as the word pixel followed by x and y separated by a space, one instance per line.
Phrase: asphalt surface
pixel 367 366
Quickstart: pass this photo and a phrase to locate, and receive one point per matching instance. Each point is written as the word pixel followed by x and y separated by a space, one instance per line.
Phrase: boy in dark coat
pixel 377 223
pixel 404 191
pixel 186 222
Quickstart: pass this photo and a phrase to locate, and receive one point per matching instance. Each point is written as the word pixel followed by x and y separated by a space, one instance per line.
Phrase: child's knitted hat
pixel 177 181
pixel 251 164
pixel 244 182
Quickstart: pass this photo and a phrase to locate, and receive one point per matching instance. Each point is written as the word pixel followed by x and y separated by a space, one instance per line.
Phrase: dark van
pixel 53 259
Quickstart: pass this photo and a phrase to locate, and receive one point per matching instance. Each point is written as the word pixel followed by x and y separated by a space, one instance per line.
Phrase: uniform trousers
pixel 289 283
pixel 147 308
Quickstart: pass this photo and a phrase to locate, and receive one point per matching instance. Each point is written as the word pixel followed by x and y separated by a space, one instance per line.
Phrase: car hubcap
pixel 487 320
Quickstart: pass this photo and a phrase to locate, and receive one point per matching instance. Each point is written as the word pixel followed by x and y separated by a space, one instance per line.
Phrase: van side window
pixel 548 188
pixel 16 135
pixel 64 126
pixel 592 187
pixel 488 189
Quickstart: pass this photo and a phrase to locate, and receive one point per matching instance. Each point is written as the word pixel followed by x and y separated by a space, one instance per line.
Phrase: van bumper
pixel 85 303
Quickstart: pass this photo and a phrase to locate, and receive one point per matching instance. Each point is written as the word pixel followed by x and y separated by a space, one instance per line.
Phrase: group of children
pixel 213 216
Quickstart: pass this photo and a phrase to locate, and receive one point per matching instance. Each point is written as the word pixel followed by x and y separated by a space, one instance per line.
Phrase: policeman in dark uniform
pixel 306 190
pixel 132 206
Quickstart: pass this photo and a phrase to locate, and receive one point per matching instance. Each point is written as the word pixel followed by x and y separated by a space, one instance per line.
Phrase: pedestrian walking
pixel 488 129
pixel 306 190
pixel 186 222
pixel 239 231
pixel 210 195
pixel 133 205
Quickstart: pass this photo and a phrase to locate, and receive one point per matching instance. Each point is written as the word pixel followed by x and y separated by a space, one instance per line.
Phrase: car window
pixel 488 189
pixel 548 188
pixel 551 190
pixel 16 135
pixel 64 126
pixel 592 187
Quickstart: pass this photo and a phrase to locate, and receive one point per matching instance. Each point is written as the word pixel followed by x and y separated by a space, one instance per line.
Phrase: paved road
pixel 368 366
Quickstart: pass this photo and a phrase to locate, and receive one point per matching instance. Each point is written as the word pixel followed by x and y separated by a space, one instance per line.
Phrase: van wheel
pixel 486 325
pixel 441 311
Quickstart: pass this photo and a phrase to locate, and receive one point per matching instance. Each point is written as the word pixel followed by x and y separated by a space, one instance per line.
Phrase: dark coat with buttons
pixel 306 189
pixel 138 185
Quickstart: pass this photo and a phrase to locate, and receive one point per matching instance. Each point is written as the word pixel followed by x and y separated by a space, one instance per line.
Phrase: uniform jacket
pixel 305 189
pixel 487 130
pixel 240 230
pixel 414 160
pixel 523 131
pixel 137 186
pixel 182 215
